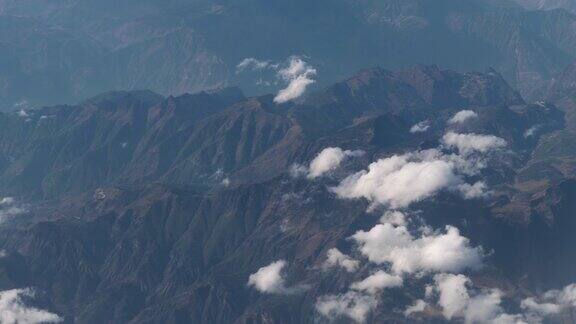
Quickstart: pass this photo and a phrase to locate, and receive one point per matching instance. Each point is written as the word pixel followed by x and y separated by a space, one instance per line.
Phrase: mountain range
pixel 62 51
pixel 132 207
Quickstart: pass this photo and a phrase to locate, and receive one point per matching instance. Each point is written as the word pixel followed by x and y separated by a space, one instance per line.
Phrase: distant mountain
pixel 66 50
pixel 548 4
pixel 138 208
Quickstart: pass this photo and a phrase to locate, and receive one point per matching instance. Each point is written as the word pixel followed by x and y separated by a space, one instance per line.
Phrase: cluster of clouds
pixel 14 311
pixel 296 73
pixel 397 248
pixel 457 298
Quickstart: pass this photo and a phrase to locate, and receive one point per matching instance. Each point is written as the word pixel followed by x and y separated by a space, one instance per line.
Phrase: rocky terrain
pixel 217 207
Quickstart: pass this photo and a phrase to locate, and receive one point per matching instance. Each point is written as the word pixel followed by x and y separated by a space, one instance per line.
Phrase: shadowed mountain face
pixel 139 208
pixel 66 50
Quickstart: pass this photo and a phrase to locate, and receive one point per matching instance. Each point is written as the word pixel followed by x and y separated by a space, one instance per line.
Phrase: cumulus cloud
pixel 377 282
pixel 432 252
pixel 468 143
pixel 14 311
pixel 400 180
pixel 328 160
pixel 352 304
pixel 299 76
pixel 270 280
pixel 462 116
pixel 418 307
pixel 420 127
pixel 335 258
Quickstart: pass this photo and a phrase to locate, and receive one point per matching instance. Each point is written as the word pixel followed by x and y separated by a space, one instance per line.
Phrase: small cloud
pixel 530 132
pixel 299 76
pixel 328 160
pixel 394 217
pixel 477 190
pixel 462 116
pixel 377 282
pixel 338 259
pixel 421 127
pixel 269 280
pixel 13 310
pixel 353 305
pixel 22 113
pixel 9 208
pixel 468 143
pixel 251 63
pixel 418 307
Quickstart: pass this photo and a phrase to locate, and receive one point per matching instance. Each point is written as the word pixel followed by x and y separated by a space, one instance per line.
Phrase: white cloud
pixel 299 76
pixel 251 63
pixel 269 280
pixel 468 143
pixel 476 190
pixel 400 180
pixel 13 310
pixel 418 307
pixel 328 160
pixel 338 259
pixel 7 201
pixel 297 170
pixel 353 305
pixel 462 116
pixel 435 252
pixel 531 131
pixel 420 127
pixel 9 209
pixel 457 301
pixel 394 217
pixel 551 302
pixel 378 281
